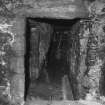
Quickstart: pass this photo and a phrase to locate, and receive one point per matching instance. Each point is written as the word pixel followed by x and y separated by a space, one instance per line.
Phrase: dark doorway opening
pixel 47 69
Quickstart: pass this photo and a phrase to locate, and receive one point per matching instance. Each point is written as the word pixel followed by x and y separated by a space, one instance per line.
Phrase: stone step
pixel 64 102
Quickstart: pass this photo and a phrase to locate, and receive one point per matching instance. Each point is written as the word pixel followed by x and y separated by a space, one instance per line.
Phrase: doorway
pixel 47 69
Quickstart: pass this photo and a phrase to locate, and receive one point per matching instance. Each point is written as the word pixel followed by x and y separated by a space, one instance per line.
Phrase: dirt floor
pixel 46 91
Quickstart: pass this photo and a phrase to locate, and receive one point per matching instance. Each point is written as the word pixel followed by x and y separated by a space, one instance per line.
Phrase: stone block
pixel 17 89
pixel 17 65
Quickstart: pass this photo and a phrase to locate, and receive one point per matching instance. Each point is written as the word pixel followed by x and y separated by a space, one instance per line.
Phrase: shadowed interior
pixel 55 66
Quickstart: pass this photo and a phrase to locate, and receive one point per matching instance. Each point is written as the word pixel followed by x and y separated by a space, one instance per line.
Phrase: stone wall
pixel 90 59
pixel 12 60
pixel 89 71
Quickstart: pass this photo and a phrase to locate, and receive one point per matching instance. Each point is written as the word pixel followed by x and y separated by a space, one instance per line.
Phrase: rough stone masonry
pixel 12 45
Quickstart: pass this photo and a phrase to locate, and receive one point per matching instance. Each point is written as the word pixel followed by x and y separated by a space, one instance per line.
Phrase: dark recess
pixel 27 56
pixel 61 26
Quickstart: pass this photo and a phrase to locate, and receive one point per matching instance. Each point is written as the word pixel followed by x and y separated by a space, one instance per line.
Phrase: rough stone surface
pixel 64 102
pixel 44 8
pixel 17 89
pixel 10 68
pixel 90 75
pixel 6 53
